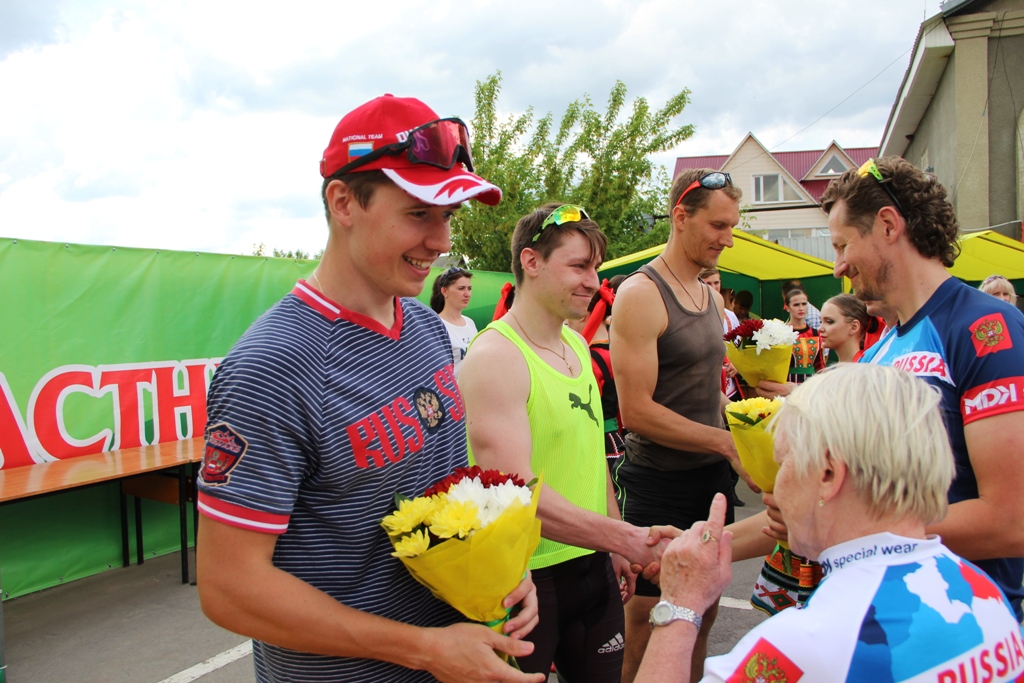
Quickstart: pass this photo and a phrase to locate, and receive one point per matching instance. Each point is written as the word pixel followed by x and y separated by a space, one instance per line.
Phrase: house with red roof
pixel 781 190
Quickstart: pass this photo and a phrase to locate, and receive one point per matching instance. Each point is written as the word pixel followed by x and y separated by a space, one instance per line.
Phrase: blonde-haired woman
pixel 999 287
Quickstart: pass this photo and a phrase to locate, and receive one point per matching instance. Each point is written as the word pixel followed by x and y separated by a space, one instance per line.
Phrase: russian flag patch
pixel 359 149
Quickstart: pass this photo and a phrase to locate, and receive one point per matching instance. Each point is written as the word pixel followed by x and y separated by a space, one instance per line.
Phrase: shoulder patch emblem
pixel 990 335
pixel 765 663
pixel 428 405
pixel 224 450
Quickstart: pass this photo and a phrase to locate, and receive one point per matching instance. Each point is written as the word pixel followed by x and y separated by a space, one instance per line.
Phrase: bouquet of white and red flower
pixel 760 350
pixel 468 539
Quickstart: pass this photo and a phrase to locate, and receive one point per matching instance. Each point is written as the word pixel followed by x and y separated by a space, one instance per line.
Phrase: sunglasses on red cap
pixel 710 181
pixel 442 143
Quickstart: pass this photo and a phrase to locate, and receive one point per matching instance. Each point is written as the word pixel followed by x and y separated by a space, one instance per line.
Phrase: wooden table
pixel 134 467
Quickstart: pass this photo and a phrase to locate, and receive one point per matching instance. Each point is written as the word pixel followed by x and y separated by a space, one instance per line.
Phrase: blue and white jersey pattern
pixel 970 346
pixel 889 609
pixel 317 417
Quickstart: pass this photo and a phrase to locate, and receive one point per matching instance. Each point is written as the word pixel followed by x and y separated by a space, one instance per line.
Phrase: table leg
pixel 3 648
pixel 124 530
pixel 183 520
pixel 139 552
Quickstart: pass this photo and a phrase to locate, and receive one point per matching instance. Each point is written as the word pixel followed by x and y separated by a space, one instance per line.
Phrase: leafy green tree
pixel 298 255
pixel 601 161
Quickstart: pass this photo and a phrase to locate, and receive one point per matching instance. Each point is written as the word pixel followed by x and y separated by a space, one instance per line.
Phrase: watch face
pixel 661 613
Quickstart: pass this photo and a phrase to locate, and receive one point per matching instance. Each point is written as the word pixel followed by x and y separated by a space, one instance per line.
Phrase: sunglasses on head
pixel 871 168
pixel 566 213
pixel 451 274
pixel 712 181
pixel 442 143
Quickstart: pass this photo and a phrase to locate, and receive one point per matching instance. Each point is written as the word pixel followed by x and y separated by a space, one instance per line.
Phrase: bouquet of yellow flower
pixel 748 423
pixel 468 539
pixel 760 350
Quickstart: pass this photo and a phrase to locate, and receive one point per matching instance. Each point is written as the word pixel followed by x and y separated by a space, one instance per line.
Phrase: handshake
pixel 648 561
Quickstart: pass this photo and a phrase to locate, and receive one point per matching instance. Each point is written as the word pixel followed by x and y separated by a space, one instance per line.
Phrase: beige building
pixel 781 189
pixel 959 112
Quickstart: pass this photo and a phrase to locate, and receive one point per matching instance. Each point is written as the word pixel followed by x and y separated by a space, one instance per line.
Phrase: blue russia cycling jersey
pixel 970 346
pixel 889 609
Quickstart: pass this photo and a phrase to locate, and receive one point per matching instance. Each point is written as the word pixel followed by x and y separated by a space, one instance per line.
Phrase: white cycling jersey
pixel 889 609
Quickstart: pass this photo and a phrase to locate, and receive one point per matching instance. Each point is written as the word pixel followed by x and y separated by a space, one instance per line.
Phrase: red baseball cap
pixel 385 121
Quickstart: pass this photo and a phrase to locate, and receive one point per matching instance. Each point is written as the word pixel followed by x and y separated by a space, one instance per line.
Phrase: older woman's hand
pixel 697 566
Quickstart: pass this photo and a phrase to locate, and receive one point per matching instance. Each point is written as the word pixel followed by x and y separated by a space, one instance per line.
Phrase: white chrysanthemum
pixel 469 490
pixel 490 502
pixel 774 333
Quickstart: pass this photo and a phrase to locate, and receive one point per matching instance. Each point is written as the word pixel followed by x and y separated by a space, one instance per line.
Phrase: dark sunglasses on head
pixel 452 273
pixel 712 181
pixel 871 168
pixel 442 143
pixel 566 213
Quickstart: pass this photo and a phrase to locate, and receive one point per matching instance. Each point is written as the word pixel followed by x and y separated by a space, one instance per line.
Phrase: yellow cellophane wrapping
pixel 474 575
pixel 772 364
pixel 756 448
pixel 757 453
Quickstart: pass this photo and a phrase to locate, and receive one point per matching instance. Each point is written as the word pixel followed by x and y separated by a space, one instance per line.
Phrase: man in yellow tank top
pixel 533 408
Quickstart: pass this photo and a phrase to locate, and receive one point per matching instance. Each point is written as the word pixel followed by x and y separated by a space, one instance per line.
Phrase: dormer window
pixel 833 167
pixel 773 188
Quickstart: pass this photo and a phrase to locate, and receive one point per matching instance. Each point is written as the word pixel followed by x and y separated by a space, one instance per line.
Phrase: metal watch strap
pixel 676 613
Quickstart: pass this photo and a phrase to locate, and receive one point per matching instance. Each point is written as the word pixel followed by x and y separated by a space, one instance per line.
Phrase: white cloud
pixel 199 125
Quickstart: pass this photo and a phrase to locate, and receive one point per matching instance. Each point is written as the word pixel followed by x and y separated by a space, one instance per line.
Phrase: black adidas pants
pixel 581 622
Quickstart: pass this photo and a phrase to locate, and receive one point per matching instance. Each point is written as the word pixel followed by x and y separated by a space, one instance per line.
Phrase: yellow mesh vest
pixel 567 428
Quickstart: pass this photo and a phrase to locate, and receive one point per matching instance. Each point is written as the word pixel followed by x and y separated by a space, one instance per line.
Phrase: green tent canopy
pixel 756 265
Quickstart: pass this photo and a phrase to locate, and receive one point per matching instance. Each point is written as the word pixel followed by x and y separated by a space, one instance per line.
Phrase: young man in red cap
pixel 317 419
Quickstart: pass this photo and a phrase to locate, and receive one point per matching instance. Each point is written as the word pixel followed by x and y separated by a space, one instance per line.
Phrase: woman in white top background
pixel 449 298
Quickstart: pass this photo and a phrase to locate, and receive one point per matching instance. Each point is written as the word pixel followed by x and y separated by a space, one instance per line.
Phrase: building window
pixel 773 188
pixel 833 167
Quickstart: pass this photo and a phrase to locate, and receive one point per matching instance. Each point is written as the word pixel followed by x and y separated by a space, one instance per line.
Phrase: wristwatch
pixel 664 613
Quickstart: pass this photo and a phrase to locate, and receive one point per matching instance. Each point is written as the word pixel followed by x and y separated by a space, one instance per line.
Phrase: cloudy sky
pixel 199 124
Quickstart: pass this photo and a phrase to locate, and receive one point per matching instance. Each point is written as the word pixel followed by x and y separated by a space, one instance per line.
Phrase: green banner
pixel 104 348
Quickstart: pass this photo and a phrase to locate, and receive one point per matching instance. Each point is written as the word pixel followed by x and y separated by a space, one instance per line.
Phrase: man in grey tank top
pixel 667 353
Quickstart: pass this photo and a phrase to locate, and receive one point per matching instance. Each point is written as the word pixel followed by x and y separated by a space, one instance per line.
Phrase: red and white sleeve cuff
pixel 242 517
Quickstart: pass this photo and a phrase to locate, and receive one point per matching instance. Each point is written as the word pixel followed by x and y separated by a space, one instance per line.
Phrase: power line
pixel 844 100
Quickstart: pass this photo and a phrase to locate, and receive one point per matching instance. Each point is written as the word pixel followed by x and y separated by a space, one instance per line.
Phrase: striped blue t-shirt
pixel 317 416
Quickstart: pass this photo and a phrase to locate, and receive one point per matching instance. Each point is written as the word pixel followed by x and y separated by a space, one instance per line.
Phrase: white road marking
pixel 727 602
pixel 212 664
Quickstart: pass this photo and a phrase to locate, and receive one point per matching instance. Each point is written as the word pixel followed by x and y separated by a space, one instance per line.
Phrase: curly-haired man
pixel 894 234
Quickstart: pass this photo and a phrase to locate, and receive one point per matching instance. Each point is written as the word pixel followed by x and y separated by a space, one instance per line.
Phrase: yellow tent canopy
pixel 989 253
pixel 750 255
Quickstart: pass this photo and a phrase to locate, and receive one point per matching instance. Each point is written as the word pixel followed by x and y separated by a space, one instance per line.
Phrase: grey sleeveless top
pixel 690 356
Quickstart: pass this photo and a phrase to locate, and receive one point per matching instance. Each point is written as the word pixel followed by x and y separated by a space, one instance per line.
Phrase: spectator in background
pixel 883 318
pixel 742 303
pixel 807 356
pixel 728 297
pixel 450 296
pixel 713 278
pixel 813 314
pixel 601 359
pixel 999 287
pixel 844 319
